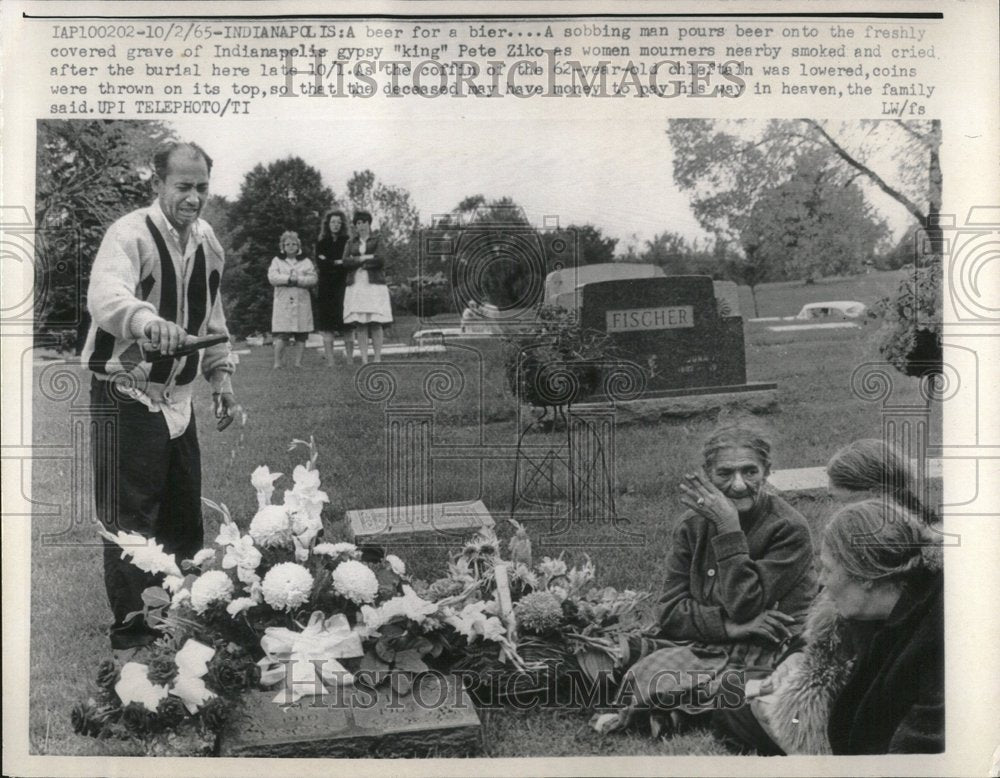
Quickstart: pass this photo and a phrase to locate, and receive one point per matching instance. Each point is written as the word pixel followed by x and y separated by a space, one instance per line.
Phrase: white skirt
pixel 365 302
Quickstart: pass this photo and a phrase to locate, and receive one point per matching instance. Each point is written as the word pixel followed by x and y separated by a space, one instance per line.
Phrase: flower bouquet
pixel 276 606
pixel 560 623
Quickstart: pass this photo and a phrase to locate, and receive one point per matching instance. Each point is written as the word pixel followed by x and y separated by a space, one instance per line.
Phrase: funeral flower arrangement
pixel 559 619
pixel 279 607
pixel 256 609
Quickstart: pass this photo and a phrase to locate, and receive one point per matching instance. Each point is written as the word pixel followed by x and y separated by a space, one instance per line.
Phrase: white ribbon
pixel 295 657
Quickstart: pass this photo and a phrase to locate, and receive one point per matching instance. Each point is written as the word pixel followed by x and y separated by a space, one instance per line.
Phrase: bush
pixel 910 337
pixel 557 365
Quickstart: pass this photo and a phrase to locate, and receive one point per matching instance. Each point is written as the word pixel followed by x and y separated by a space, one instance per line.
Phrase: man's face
pixel 183 192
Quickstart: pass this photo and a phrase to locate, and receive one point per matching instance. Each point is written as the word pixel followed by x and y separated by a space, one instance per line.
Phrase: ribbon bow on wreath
pixel 304 660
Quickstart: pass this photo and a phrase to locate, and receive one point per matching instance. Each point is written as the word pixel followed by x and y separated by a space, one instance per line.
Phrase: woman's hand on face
pixel 701 495
pixel 771 625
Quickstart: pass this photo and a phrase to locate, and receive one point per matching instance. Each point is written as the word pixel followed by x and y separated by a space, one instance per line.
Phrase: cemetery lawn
pixel 69 614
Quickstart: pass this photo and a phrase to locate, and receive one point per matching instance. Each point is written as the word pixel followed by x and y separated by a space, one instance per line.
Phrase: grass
pixel 818 412
pixel 786 298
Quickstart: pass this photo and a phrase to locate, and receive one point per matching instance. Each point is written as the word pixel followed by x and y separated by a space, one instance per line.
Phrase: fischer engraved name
pixel 672 317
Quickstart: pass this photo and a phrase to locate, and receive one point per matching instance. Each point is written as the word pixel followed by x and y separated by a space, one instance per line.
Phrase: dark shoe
pixel 133 636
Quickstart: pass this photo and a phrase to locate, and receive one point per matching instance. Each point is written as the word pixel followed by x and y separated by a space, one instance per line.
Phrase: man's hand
pixel 226 408
pixel 164 336
pixel 771 625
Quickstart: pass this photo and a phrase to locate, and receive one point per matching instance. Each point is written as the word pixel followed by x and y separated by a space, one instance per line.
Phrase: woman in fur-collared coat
pixel 792 712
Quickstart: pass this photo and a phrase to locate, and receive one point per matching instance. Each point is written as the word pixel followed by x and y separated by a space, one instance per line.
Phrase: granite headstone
pixel 672 329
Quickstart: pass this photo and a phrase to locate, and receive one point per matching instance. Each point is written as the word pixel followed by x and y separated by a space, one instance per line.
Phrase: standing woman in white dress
pixel 366 300
pixel 291 315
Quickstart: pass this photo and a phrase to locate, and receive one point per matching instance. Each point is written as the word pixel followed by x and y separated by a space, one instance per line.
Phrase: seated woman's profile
pixel 881 566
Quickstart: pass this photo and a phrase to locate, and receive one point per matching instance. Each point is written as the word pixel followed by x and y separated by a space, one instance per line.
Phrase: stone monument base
pixel 435 718
pixel 754 398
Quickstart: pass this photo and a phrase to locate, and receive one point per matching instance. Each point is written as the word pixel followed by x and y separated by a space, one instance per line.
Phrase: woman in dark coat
pixel 329 308
pixel 740 578
pixel 881 566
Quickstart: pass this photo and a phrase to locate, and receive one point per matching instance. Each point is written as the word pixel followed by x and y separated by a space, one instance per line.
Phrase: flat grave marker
pixel 435 718
pixel 450 520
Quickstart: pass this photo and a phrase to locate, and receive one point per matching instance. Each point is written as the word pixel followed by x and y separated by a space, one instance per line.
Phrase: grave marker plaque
pixel 436 718
pixel 448 520
pixel 672 329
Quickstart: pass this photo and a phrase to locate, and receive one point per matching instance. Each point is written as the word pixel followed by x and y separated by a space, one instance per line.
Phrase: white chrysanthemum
pixel 287 586
pixel 272 526
pixel 348 550
pixel 355 581
pixel 213 586
pixel 179 598
pixel 397 565
pixel 134 686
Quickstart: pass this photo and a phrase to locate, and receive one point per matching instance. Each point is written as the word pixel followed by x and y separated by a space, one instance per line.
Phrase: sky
pixel 610 170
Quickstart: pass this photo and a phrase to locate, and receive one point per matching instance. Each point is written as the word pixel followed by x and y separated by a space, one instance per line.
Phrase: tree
pixel 286 195
pixel 727 165
pixel 812 225
pixel 496 252
pixel 395 217
pixel 88 174
pixel 592 247
pixel 669 250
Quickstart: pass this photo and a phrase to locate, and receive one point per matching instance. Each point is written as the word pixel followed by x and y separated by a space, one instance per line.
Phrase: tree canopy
pixel 732 168
pixel 88 174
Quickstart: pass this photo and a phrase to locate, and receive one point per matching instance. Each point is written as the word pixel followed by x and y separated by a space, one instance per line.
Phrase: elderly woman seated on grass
pixel 881 566
pixel 790 713
pixel 740 577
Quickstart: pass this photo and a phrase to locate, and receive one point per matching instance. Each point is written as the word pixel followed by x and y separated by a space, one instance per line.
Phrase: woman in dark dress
pixel 329 308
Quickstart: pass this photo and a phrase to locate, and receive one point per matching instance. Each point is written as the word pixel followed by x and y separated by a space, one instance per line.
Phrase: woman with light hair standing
pixel 291 315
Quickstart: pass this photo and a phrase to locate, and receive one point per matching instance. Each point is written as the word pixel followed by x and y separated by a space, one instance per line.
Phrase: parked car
pixel 836 310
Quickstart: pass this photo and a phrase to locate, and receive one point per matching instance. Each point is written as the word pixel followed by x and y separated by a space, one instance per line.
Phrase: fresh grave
pixel 278 641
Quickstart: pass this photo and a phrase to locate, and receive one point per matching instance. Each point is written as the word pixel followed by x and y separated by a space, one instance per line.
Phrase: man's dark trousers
pixel 144 482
